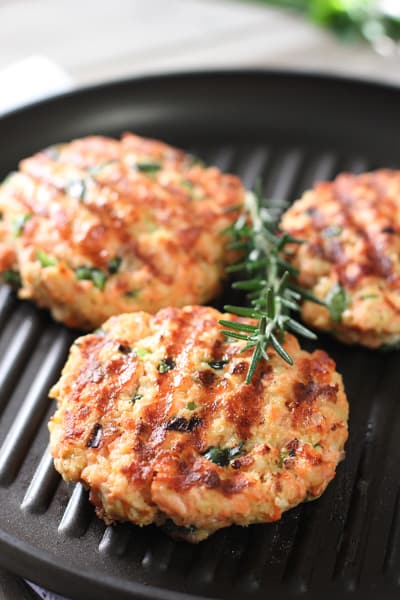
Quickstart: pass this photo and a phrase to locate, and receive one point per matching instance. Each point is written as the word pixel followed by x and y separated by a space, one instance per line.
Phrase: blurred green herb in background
pixel 374 21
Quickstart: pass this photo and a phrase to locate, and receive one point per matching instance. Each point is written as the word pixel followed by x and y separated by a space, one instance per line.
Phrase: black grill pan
pixel 291 130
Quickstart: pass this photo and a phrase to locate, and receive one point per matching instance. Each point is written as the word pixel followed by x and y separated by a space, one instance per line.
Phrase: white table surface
pixel 96 40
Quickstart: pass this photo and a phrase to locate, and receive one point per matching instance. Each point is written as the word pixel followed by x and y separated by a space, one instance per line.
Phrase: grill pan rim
pixel 30 559
pixel 307 76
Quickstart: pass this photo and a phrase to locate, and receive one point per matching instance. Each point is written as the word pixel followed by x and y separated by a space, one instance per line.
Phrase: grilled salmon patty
pixel 155 417
pixel 98 227
pixel 351 256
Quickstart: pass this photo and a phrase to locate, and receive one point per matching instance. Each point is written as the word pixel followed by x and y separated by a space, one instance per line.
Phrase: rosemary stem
pixel 270 290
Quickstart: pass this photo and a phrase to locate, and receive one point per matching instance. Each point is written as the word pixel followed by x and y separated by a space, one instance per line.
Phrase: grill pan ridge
pixel 290 130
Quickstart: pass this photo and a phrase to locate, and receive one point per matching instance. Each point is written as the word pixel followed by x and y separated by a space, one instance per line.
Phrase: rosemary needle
pixel 271 293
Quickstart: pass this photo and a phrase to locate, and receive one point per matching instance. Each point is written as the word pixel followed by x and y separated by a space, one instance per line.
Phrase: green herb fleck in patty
pixel 223 456
pixel 76 189
pixel 166 364
pixel 218 364
pixel 12 277
pixel 136 397
pixel 337 301
pixel 45 259
pixel 147 166
pixel 96 276
pixel 114 265
pixel 19 223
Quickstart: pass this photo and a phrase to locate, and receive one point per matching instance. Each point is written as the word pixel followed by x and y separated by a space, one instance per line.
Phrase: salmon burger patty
pixel 98 227
pixel 155 417
pixel 351 256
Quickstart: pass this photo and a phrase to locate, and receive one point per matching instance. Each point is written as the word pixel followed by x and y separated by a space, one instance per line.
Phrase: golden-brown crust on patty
pixel 146 407
pixel 351 228
pixel 99 227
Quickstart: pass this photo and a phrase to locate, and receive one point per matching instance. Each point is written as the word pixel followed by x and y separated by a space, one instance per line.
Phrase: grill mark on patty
pixel 90 232
pixel 183 338
pixel 345 193
pixel 147 261
pixel 243 408
pixel 318 366
pixel 376 263
pixel 153 428
pixel 304 396
pixel 393 306
pixel 92 243
pixel 244 405
pixel 41 169
pixel 85 152
pixel 166 153
pixel 188 474
pixel 110 377
pixel 312 385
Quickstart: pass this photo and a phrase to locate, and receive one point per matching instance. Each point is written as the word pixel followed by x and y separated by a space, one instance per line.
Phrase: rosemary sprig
pixel 268 281
pixel 374 21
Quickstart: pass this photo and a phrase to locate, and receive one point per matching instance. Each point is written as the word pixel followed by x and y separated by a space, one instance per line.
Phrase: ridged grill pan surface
pixel 291 130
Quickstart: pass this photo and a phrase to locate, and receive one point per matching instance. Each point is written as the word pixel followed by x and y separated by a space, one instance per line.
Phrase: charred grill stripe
pixel 244 406
pixel 304 397
pixel 377 263
pixel 111 224
pixel 110 378
pixel 349 193
pixel 153 427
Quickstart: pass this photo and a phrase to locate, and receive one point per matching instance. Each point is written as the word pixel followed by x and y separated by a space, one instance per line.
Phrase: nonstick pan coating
pixel 291 130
